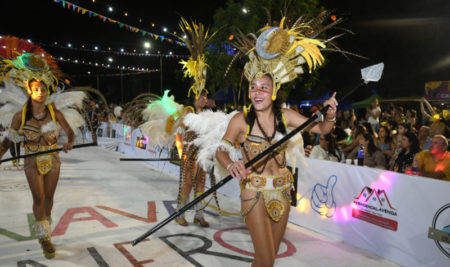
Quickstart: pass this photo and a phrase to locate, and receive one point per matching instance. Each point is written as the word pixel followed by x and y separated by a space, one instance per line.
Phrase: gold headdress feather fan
pixel 196 38
pixel 282 50
pixel 27 67
pixel 23 61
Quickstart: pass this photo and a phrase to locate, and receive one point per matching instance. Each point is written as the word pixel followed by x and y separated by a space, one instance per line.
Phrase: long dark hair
pixel 332 146
pixel 388 139
pixel 29 112
pixel 191 99
pixel 371 147
pixel 414 143
pixel 276 109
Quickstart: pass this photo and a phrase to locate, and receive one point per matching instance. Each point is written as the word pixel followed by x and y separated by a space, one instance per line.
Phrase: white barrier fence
pixel 403 218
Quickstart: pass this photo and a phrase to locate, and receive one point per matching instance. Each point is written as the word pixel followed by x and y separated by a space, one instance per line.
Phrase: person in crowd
pixel 346 126
pixel 410 147
pixel 437 125
pixel 353 143
pixel 435 162
pixel 424 137
pixel 349 115
pixel 327 149
pixel 398 115
pixel 385 142
pixel 393 128
pixel 373 114
pixel 373 157
pixel 370 130
pixel 340 133
pixel 402 129
pixel 411 118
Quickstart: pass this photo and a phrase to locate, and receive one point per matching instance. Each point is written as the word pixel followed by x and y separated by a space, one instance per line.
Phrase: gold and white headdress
pixel 27 67
pixel 196 38
pixel 282 51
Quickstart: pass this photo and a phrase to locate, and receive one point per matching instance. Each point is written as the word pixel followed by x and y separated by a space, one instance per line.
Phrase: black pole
pixel 146 159
pixel 46 152
pixel 229 177
pixel 161 73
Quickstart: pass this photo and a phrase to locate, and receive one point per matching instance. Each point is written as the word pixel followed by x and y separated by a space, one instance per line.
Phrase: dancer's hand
pixel 67 146
pixel 237 170
pixel 331 112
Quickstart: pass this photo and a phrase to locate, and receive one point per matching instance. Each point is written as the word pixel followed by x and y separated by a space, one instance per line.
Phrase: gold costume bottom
pixel 44 162
pixel 274 189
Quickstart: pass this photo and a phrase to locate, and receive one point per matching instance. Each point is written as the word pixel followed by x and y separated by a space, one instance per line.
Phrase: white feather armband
pixel 14 136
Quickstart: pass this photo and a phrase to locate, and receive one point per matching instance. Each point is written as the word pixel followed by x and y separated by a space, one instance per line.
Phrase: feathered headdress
pixel 196 38
pixel 24 61
pixel 28 67
pixel 282 50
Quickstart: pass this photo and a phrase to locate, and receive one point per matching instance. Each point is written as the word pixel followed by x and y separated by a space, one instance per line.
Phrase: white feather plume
pixel 68 103
pixel 12 99
pixel 295 151
pixel 210 127
pixel 64 100
pixel 156 115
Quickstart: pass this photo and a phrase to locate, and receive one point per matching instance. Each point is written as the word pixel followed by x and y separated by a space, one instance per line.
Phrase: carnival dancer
pixel 171 114
pixel 275 59
pixel 36 118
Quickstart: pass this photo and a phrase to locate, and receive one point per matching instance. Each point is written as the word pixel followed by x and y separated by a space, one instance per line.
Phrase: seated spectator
pixel 402 129
pixel 410 147
pixel 373 157
pixel 411 118
pixel 385 142
pixel 339 132
pixel 424 137
pixel 349 115
pixel 398 115
pixel 327 149
pixel 435 163
pixel 393 127
pixel 370 130
pixel 346 126
pixel 353 142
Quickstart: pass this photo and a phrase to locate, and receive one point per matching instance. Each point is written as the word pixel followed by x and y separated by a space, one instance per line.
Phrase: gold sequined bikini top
pixel 34 135
pixel 257 144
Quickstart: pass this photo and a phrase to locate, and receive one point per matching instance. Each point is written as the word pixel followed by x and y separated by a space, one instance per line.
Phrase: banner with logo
pixel 437 90
pixel 403 218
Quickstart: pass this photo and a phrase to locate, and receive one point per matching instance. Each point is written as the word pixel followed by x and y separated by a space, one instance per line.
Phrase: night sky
pixel 412 38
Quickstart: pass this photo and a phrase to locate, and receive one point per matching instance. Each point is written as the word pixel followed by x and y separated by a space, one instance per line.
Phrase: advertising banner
pixel 400 217
pixel 437 90
pixel 403 218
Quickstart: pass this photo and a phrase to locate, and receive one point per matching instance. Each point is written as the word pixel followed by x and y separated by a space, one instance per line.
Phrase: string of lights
pixel 102 65
pixel 89 74
pixel 83 11
pixel 96 49
pixel 122 52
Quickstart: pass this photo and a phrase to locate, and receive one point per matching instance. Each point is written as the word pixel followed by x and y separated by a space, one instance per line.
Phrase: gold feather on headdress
pixel 282 50
pixel 196 39
pixel 27 67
